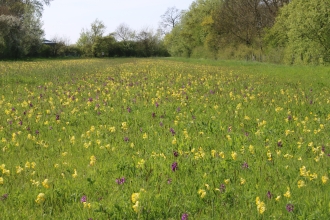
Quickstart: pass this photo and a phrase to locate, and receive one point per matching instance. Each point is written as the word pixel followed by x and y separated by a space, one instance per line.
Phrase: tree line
pixel 280 31
pixel 288 31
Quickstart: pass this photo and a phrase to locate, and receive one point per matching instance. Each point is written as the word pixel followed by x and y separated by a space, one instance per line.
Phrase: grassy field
pixel 163 139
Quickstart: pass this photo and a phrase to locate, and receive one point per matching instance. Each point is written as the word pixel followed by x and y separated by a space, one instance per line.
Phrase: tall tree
pixel 302 29
pixel 89 36
pixel 22 27
pixel 170 19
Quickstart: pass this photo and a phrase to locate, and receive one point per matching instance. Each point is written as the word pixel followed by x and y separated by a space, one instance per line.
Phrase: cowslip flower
pixel 40 198
pixel 45 183
pixel 202 193
pixel 261 207
pixel 75 174
pixel 92 160
pixel 325 179
pixel 1 180
pixel 243 181
pixel 234 155
pixel 301 183
pixel 136 207
pixel 288 193
pixel 135 197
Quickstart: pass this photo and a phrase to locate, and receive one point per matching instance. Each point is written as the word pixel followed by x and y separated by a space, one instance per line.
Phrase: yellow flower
pixel 207 186
pixel 40 198
pixel 93 160
pixel 222 155
pixel 287 194
pixel 303 171
pixel 75 174
pixel 145 136
pixel 45 183
pixel 1 180
pixel 301 183
pixel 234 155
pixel 174 141
pixel 243 181
pixel 27 164
pixel 261 207
pixel 135 197
pixel 112 129
pixel 202 193
pixel 140 164
pixel 19 169
pixel 227 181
pixel 278 198
pixel 87 204
pixel 251 149
pixel 136 207
pixel 269 155
pixel 213 152
pixel 325 179
pixel 312 176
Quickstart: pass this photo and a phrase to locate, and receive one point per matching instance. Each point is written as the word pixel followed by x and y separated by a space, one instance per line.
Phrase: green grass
pixel 174 129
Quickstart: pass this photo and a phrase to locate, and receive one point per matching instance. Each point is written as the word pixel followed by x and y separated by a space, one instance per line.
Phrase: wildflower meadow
pixel 163 139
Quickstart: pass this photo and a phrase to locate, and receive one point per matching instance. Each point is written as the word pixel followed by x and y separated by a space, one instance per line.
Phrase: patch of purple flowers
pixel 120 181
pixel 174 166
pixel 184 216
pixel 289 207
pixel 83 199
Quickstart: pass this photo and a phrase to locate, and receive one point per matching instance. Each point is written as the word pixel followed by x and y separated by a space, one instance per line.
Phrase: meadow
pixel 163 139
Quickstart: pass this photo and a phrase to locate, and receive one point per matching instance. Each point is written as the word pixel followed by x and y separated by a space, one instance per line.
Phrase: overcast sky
pixel 66 18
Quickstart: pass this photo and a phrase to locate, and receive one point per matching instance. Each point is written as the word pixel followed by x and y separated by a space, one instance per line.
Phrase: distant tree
pixel 124 33
pixel 170 19
pixel 89 36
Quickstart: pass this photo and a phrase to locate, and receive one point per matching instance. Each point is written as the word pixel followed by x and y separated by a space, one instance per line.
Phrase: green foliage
pixel 303 28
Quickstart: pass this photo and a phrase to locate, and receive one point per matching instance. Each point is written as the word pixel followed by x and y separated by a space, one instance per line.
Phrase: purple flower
pixel 169 181
pixel 289 117
pixel 161 124
pixel 175 154
pixel 90 99
pixel 279 144
pixel 172 131
pixel 37 132
pixel 4 196
pixel 269 195
pixel 153 114
pixel 289 207
pixel 129 109
pixel 245 165
pixel 13 109
pixel 120 181
pixel 20 122
pixel 83 199
pixel 156 104
pixel 174 166
pixel 178 109
pixel 57 117
pixel 222 188
pixel 126 139
pixel 184 216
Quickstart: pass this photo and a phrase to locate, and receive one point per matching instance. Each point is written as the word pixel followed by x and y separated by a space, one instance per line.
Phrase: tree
pixel 302 29
pixel 124 33
pixel 88 37
pixel 21 27
pixel 170 19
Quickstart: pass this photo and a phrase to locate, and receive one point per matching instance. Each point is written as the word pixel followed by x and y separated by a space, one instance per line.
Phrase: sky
pixel 66 18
